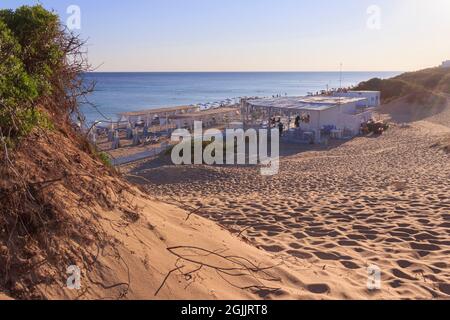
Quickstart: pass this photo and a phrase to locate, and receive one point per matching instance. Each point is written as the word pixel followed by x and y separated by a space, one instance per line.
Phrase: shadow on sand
pixel 160 170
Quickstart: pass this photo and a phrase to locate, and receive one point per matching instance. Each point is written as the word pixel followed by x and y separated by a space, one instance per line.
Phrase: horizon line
pixel 261 71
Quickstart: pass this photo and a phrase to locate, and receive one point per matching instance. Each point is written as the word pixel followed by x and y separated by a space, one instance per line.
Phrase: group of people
pixel 303 118
pixel 278 95
pixel 277 123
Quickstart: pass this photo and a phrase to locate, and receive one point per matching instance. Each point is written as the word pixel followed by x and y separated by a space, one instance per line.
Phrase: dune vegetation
pixel 41 64
pixel 418 86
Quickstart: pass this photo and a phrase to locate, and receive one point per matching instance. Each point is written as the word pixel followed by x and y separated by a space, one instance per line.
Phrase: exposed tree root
pixel 230 266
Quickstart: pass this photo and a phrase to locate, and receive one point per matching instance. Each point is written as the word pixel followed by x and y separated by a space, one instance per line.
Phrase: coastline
pixel 120 92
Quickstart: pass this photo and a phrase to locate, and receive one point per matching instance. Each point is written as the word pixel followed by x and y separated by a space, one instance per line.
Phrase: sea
pixel 121 92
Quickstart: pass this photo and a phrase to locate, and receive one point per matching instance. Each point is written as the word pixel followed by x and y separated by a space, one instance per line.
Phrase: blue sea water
pixel 119 92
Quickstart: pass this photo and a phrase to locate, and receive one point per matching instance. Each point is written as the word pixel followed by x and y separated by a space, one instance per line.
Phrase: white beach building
pixel 445 64
pixel 373 98
pixel 342 115
pixel 209 118
pixel 161 114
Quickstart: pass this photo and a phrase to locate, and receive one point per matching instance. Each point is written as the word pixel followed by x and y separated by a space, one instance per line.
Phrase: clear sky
pixel 260 35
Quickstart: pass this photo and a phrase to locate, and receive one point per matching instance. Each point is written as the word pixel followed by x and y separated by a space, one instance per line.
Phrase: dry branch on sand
pixel 227 267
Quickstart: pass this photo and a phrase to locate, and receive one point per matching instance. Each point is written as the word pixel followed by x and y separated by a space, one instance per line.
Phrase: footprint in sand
pixel 300 254
pixel 396 283
pixel 404 264
pixel 295 245
pixel 425 246
pixel 273 248
pixel 400 274
pixel 319 288
pixel 348 243
pixel 350 265
pixel 330 256
pixel 445 288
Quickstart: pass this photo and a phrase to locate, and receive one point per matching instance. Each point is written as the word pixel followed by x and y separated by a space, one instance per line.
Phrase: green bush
pixel 29 54
pixel 37 32
pixel 105 158
pixel 390 88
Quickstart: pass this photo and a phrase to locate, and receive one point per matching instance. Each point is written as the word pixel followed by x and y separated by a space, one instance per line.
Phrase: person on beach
pixel 272 122
pixel 281 127
pixel 297 121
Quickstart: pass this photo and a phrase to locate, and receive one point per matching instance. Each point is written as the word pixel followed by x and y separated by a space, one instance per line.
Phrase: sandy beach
pixel 334 211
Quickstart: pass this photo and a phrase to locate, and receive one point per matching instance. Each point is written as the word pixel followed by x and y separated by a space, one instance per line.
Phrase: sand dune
pixel 309 232
pixel 380 201
pixel 401 111
pixel 126 244
pixel 4 297
pixel 163 253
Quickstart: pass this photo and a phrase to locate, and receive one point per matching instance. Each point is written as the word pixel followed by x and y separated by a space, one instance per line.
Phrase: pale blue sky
pixel 259 35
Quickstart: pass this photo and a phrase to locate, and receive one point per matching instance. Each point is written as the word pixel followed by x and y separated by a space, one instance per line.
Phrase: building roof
pixel 311 103
pixel 158 111
pixel 363 91
pixel 445 64
pixel 211 112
